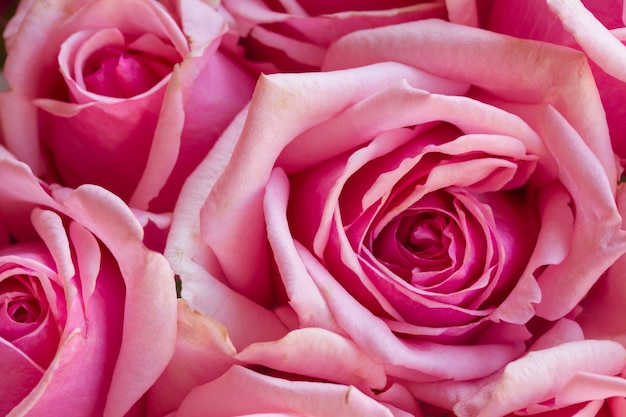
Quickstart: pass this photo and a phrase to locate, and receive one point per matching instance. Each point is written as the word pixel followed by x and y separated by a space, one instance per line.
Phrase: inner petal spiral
pixel 423 235
pixel 124 73
pixel 21 306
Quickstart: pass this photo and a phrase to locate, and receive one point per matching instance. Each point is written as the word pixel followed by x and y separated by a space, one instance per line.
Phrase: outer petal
pixel 539 375
pixel 595 227
pixel 293 36
pixel 594 38
pixel 598 317
pixel 318 353
pixel 203 353
pixel 150 301
pixel 250 393
pixel 535 381
pixel 462 53
pixel 195 263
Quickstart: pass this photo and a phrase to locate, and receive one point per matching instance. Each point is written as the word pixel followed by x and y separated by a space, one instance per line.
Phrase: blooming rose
pixel 127 95
pixel 88 314
pixel 596 27
pixel 416 198
pixel 294 35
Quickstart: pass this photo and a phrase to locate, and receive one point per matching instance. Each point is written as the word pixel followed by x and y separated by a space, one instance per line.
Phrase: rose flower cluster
pixel 313 208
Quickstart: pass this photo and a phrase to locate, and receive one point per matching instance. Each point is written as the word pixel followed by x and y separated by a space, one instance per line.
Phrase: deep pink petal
pixel 18 376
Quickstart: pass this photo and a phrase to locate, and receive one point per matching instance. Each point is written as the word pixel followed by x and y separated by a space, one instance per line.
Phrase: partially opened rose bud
pixel 87 313
pixel 127 95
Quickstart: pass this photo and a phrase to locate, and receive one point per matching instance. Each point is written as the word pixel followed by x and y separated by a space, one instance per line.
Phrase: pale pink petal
pixel 107 148
pixel 462 12
pixel 86 348
pixel 462 53
pixel 530 381
pixel 193 261
pixel 203 353
pixel 183 243
pixel 35 26
pixel 539 375
pixel 406 102
pixel 201 24
pixel 598 317
pixel 564 331
pixel 250 393
pixel 49 226
pixel 88 259
pixel 593 37
pixel 468 397
pixel 150 301
pixel 206 115
pixel 318 353
pixel 304 53
pixel 134 16
pixel 594 226
pixel 291 35
pixel 20 192
pixel 585 386
pixel 398 398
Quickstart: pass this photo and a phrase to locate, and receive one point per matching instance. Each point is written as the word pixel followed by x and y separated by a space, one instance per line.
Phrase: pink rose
pixel 127 95
pixel 415 198
pixel 596 27
pixel 294 36
pixel 88 318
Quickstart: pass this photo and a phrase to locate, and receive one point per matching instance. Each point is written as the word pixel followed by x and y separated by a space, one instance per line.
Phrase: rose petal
pixel 273 396
pixel 165 145
pixel 203 353
pixel 318 353
pixel 192 260
pixel 443 46
pixel 150 294
pixel 539 375
pixel 304 296
pixel 594 38
pixel 18 376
